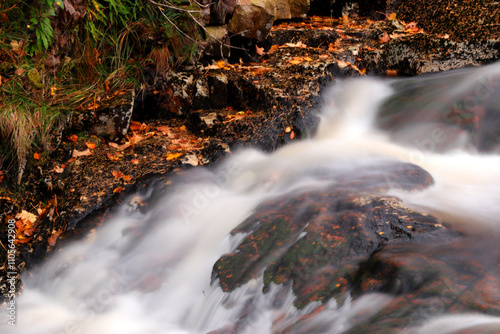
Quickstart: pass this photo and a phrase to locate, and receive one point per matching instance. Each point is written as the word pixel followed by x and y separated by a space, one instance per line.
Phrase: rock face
pixel 316 240
pixel 254 18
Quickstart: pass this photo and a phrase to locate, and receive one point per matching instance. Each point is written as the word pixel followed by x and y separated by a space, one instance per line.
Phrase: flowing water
pixel 151 273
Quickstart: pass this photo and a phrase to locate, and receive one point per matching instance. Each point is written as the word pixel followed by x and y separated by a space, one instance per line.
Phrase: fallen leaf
pixel 113 156
pixel 190 159
pixel 345 18
pixel 292 135
pixel 106 86
pixel 36 156
pixel 259 51
pixel 77 153
pixel 134 126
pixel 2 176
pixel 392 73
pixel 384 38
pixel 392 16
pixel 288 129
pixel 183 128
pixel 73 138
pixel 135 161
pixel 90 145
pixel 119 175
pixel 273 49
pixel 27 216
pixel 296 60
pixel 172 156
pixel 221 64
pixel 118 190
pixel 58 169
pixel 53 237
pixel 299 44
pixel 19 71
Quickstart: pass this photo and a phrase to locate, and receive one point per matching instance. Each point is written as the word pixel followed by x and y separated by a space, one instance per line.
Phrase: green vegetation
pixel 57 56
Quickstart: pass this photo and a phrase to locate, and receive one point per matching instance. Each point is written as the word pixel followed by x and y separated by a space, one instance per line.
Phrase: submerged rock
pixel 317 239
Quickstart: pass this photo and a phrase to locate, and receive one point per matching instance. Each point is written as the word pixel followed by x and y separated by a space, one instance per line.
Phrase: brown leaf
pixel 134 126
pixel 77 153
pixel 19 71
pixel 53 237
pixel 73 138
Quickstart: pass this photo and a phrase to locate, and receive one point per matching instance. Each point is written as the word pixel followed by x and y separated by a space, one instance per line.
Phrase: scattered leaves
pixel 114 156
pixel 119 175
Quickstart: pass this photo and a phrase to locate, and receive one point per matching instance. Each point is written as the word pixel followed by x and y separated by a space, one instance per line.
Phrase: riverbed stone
pixel 318 239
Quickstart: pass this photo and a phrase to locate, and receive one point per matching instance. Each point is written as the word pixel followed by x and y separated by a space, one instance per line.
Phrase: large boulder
pixel 254 18
pixel 317 239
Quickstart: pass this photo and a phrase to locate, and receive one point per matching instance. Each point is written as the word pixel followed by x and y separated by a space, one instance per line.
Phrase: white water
pixel 151 273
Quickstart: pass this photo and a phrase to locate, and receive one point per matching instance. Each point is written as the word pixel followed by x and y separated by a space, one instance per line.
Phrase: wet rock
pixel 429 280
pixel 317 239
pixel 110 117
pixel 465 117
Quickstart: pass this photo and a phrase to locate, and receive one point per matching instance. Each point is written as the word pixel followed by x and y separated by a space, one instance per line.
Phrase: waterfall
pixel 152 272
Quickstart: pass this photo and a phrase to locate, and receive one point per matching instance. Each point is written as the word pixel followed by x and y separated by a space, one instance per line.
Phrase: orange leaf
pixel 259 51
pixel 36 156
pixel 73 138
pixel 117 174
pixel 273 49
pixel 90 145
pixel 113 156
pixel 221 64
pixel 134 126
pixel 118 190
pixel 172 156
pixel 135 161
